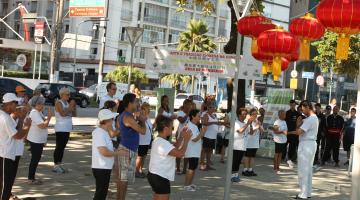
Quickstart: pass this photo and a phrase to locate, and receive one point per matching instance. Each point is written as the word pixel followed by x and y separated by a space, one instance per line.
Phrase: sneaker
pixel 252 173
pixel 189 189
pixel 291 164
pixel 193 186
pixel 278 172
pixel 58 169
pixel 235 179
pixel 35 182
pixel 245 173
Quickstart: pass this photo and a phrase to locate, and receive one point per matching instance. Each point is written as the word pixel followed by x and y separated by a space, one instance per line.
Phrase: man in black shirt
pixel 334 129
pixel 292 138
pixel 320 141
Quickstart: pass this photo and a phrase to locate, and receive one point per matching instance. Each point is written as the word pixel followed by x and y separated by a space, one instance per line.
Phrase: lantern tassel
pixel 269 69
pixel 254 46
pixel 265 68
pixel 342 49
pixel 304 50
pixel 276 68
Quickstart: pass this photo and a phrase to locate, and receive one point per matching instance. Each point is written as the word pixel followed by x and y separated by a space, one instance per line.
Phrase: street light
pixel 76 38
pixel 134 34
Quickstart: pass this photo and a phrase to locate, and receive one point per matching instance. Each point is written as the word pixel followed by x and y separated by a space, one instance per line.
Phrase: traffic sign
pixel 294 73
pixel 87 8
pixel 293 83
pixel 308 75
pixel 39 32
pixel 320 80
pixel 121 59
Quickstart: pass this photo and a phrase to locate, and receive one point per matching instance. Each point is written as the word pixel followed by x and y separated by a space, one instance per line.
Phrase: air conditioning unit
pixel 92 57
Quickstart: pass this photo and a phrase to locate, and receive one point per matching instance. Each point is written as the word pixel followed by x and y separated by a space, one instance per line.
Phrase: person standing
pixel 252 144
pixel 9 132
pixel 164 109
pixel 307 130
pixel 280 131
pixel 37 136
pixel 334 128
pixel 144 143
pixel 320 141
pixel 21 94
pixel 162 158
pixel 292 139
pixel 130 128
pixel 110 96
pixel 242 130
pixel 349 134
pixel 193 150
pixel 102 154
pixel 64 111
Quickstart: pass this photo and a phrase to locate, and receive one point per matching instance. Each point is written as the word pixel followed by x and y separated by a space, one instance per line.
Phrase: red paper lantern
pixel 284 64
pixel 267 61
pixel 343 18
pixel 277 43
pixel 307 28
pixel 246 27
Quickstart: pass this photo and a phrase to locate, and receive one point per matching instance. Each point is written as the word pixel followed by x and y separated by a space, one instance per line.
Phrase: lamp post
pixel 134 34
pixel 76 38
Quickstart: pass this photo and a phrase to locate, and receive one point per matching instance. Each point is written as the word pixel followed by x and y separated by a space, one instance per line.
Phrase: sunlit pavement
pixel 330 183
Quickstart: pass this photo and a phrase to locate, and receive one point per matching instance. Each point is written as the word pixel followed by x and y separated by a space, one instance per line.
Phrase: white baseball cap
pixel 9 97
pixel 106 114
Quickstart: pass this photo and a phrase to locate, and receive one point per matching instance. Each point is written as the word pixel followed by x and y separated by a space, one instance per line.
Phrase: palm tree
pixel 195 40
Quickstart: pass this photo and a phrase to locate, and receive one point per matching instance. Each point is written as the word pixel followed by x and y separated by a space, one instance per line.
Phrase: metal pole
pixel 34 70
pixel 131 65
pixel 40 62
pixel 331 83
pixel 2 68
pixel 103 42
pixel 356 152
pixel 74 63
pixel 306 88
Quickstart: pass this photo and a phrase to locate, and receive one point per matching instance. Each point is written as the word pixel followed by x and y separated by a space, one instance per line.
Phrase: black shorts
pixel 225 142
pixel 143 150
pixel 158 184
pixel 250 153
pixel 208 143
pixel 193 163
pixel 280 147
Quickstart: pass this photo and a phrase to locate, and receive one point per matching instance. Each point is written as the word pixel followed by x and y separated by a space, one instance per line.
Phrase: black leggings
pixel 16 166
pixel 7 171
pixel 36 152
pixel 237 157
pixel 62 139
pixel 102 179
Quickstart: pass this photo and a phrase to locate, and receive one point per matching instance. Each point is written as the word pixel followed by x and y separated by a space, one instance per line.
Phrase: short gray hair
pixel 36 100
pixel 64 90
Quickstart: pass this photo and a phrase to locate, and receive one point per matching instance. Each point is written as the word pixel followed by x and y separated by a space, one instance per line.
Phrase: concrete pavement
pixel 330 183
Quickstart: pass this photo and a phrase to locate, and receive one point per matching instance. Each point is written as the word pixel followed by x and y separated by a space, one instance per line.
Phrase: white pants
pixel 306 154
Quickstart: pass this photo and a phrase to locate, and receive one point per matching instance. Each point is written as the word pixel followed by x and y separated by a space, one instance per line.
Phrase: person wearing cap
pixel 37 135
pixel 64 111
pixel 10 131
pixel 102 156
pixel 292 139
pixel 20 93
pixel 110 96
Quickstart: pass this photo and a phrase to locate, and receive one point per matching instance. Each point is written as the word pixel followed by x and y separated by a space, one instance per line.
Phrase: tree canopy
pixel 121 74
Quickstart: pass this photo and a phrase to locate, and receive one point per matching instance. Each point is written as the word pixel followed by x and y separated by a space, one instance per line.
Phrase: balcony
pixel 156 20
pixel 161 1
pixel 178 24
pixel 126 14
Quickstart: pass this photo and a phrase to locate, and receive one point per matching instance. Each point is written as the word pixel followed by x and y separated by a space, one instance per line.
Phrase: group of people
pixel 27 120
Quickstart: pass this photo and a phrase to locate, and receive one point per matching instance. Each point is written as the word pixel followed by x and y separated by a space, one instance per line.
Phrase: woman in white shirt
pixel 144 142
pixel 279 132
pixel 253 143
pixel 37 135
pixel 193 150
pixel 164 109
pixel 64 111
pixel 102 157
pixel 242 130
pixel 162 158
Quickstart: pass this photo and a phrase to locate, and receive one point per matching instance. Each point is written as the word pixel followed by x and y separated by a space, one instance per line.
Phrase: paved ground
pixel 78 184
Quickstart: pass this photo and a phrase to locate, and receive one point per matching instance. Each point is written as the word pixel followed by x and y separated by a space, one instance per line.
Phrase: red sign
pixel 87 11
pixel 39 32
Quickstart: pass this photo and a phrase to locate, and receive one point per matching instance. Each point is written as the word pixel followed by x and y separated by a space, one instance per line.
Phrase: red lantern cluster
pixel 307 28
pixel 343 18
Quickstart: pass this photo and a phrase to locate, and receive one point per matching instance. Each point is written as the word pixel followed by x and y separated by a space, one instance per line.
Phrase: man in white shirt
pixel 110 96
pixel 307 130
pixel 9 132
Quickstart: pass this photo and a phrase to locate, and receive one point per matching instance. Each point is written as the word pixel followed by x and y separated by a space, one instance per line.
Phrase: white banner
pixel 250 67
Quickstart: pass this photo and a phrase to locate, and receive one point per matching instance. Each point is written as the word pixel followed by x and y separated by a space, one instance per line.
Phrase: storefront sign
pixel 87 8
pixel 21 60
pixel 39 32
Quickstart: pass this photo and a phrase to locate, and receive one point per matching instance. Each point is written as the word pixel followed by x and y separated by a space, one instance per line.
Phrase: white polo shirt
pixel 310 127
pixel 7 131
pixel 105 99
pixel 194 148
pixel 101 138
pixel 161 163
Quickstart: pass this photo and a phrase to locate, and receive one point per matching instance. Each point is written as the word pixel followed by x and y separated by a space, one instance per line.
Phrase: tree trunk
pixel 230 48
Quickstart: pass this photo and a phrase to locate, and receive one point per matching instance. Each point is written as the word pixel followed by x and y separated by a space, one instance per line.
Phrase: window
pixel 156 14
pixel 174 36
pixel 93 51
pixel 222 30
pixel 33 6
pixel 123 34
pixel 153 34
pixel 67 28
pixel 96 31
pixel 180 20
pixel 71 89
pixel 142 52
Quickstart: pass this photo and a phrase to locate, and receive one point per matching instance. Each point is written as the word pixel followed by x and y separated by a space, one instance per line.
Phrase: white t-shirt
pixel 212 130
pixel 7 131
pixel 194 148
pixel 161 163
pixel 280 138
pixel 240 139
pixel 36 134
pixel 310 127
pixel 146 139
pixel 253 141
pixel 105 99
pixel 101 138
